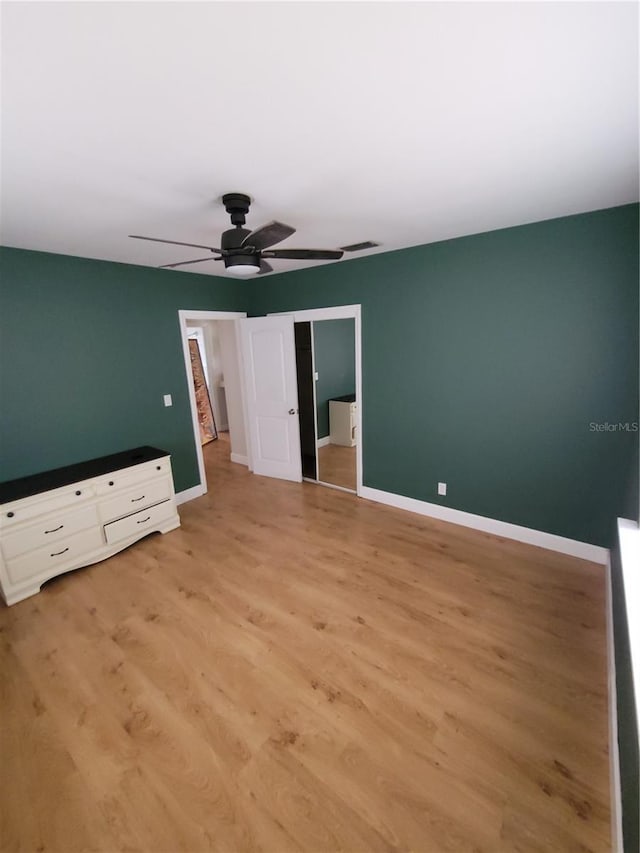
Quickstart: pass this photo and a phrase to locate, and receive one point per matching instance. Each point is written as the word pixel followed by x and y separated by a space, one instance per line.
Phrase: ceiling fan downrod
pixel 237 206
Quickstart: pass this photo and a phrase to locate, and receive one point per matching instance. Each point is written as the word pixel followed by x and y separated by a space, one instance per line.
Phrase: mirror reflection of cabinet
pixel 343 420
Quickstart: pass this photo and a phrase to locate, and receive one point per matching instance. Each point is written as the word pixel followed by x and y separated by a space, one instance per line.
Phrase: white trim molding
pixel 190 494
pixel 334 312
pixel 583 550
pixel 322 442
pixel 241 460
pixel 629 545
pixel 615 790
pixel 629 539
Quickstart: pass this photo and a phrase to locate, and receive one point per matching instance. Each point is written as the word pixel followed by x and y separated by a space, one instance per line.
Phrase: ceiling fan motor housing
pixel 233 237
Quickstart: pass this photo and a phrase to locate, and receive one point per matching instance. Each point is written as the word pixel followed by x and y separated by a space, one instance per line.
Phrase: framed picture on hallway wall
pixel 206 421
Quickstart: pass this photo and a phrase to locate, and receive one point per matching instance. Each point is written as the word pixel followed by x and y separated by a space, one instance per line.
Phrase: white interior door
pixel 269 357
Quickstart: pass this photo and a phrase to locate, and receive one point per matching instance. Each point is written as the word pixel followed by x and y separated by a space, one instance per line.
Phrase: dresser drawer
pixel 129 477
pixel 57 555
pixel 145 495
pixel 51 528
pixel 60 499
pixel 139 522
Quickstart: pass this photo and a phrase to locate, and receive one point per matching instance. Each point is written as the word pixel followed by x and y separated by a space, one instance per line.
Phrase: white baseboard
pixel 241 460
pixel 322 442
pixel 614 755
pixel 190 494
pixel 583 550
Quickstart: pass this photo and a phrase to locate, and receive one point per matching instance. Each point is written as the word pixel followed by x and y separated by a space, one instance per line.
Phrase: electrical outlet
pixel 315 375
pixel 442 488
pixel 167 400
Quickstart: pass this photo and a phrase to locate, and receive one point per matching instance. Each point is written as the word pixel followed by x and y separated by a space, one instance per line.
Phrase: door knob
pixel 292 411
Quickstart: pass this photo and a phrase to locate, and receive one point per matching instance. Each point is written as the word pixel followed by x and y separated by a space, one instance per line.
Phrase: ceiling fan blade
pixel 264 267
pixel 175 243
pixel 304 254
pixel 184 263
pixel 268 235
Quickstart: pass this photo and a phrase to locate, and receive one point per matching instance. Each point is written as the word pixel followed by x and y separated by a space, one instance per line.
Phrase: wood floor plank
pixel 295 669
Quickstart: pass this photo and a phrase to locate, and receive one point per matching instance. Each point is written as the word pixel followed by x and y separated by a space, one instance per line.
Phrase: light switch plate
pixel 167 400
pixel 442 488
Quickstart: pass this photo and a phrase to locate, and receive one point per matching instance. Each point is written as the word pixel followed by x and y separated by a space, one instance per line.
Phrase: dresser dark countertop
pixel 348 398
pixel 25 487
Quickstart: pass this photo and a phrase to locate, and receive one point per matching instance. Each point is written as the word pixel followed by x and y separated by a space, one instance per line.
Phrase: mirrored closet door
pixel 325 355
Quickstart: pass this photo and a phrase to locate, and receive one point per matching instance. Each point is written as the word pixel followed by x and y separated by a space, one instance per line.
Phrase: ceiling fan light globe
pixel 242 267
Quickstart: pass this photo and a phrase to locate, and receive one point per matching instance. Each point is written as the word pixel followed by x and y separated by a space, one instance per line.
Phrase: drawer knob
pixel 158 467
pixel 10 514
pixel 78 492
pixel 111 482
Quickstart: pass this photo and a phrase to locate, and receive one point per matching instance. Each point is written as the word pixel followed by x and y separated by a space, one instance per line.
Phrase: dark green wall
pixel 87 350
pixel 334 348
pixel 486 359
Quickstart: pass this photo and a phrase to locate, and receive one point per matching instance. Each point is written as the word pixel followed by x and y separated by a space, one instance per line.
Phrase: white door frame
pixel 341 312
pixel 183 316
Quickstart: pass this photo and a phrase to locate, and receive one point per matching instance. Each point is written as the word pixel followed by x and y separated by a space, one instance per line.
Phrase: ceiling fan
pixel 246 252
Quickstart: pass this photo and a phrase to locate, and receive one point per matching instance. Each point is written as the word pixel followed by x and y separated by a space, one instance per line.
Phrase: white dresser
pixel 60 520
pixel 343 420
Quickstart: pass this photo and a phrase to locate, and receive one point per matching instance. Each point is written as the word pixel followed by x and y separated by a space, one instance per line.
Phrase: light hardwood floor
pixel 298 669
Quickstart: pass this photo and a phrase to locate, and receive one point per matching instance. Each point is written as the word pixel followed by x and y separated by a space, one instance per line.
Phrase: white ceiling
pixel 403 123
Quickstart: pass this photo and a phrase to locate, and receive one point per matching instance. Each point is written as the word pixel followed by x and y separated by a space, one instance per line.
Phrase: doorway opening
pixel 215 334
